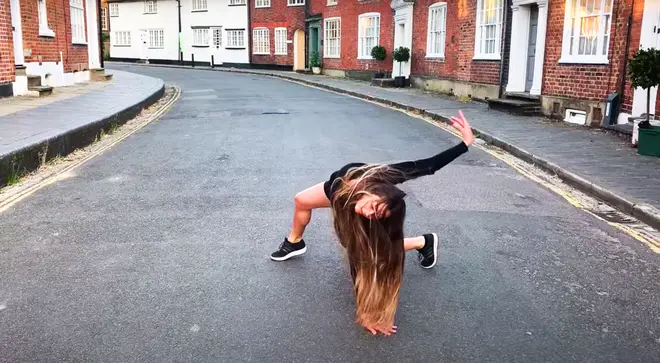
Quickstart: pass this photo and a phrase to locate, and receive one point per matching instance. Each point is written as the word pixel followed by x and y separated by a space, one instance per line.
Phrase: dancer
pixel 368 216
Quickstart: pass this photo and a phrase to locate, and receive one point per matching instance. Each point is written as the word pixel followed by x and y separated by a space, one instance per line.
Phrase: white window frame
pixel 440 9
pixel 240 34
pixel 114 10
pixel 329 52
pixel 159 36
pixel 201 37
pixel 602 32
pixel 200 5
pixel 261 4
pixel 362 36
pixel 260 46
pixel 44 29
pixel 121 38
pixel 295 2
pixel 104 19
pixel 332 2
pixel 478 41
pixel 281 35
pixel 150 6
pixel 237 2
pixel 77 19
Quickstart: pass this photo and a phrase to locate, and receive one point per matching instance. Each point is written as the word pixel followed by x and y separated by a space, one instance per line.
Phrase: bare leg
pixel 413 243
pixel 305 201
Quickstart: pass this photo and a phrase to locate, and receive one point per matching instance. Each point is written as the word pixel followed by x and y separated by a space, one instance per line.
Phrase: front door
pixel 531 46
pixel 650 38
pixel 17 32
pixel 216 44
pixel 314 40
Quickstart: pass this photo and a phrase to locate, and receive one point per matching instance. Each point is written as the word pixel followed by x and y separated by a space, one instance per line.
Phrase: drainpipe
pixel 249 32
pixel 622 90
pixel 307 12
pixel 179 37
pixel 100 30
pixel 504 27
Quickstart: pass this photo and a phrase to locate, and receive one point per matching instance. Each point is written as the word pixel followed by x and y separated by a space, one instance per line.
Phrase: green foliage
pixel 315 60
pixel 401 54
pixel 644 72
pixel 378 53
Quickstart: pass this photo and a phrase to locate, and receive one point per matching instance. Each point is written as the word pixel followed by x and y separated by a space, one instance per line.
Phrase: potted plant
pixel 401 55
pixel 379 53
pixel 315 63
pixel 644 72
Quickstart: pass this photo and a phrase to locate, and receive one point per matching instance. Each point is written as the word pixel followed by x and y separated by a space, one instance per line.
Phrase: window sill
pixel 331 57
pixel 435 57
pixel 281 54
pixel 155 48
pixel 294 5
pixel 235 48
pixel 200 46
pixel 149 13
pixel 121 46
pixel 589 60
pixel 79 43
pixel 486 57
pixel 236 5
pixel 262 7
pixel 45 32
pixel 365 58
pixel 200 11
pixel 260 53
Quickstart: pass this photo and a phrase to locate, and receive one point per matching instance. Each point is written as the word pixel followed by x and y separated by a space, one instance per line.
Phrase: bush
pixel 644 72
pixel 401 54
pixel 315 60
pixel 378 53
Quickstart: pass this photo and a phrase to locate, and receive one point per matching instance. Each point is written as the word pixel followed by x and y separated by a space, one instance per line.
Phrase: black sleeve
pixel 422 167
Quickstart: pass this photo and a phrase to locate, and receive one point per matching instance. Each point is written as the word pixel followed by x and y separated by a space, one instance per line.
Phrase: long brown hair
pixel 374 247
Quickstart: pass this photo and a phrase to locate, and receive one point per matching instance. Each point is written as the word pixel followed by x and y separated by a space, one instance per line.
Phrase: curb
pixel 644 212
pixel 31 157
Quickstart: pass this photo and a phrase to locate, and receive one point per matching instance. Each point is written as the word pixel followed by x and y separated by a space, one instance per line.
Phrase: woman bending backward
pixel 368 216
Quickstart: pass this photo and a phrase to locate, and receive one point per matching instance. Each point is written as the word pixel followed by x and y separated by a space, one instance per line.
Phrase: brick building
pixel 278 33
pixel 56 43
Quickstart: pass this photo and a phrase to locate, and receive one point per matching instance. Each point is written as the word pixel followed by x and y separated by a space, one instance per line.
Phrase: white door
pixel 17 32
pixel 650 37
pixel 403 22
pixel 144 40
pixel 216 44
pixel 93 47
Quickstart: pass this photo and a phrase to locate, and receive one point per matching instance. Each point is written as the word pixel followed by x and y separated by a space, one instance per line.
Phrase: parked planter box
pixel 316 70
pixel 649 141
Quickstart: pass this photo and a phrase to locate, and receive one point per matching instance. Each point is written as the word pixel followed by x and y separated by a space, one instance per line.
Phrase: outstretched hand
pixel 386 330
pixel 461 124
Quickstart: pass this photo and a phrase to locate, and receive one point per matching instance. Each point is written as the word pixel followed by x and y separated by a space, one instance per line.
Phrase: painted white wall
pixel 132 18
pixel 219 14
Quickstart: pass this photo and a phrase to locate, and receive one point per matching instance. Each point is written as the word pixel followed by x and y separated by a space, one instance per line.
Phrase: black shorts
pixel 327 186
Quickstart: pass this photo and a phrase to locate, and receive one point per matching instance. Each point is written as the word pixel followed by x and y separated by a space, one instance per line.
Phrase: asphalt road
pixel 157 250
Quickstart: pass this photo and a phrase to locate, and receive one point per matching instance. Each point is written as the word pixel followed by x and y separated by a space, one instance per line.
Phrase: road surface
pixel 157 250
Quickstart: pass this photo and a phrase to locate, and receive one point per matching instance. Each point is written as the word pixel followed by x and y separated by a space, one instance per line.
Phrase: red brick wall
pixel 584 81
pixel 277 15
pixel 6 44
pixel 459 46
pixel 75 56
pixel 349 11
pixel 635 35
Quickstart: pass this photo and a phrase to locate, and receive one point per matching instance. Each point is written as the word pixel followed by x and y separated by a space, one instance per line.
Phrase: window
pixel 280 41
pixel 114 9
pixel 44 29
pixel 587 27
pixel 156 39
pixel 295 2
pixel 200 37
pixel 217 37
pixel 104 19
pixel 199 5
pixel 369 34
pixel 236 38
pixel 77 21
pixel 262 4
pixel 332 2
pixel 260 41
pixel 122 39
pixel 489 29
pixel 236 2
pixel 435 40
pixel 332 41
pixel 150 7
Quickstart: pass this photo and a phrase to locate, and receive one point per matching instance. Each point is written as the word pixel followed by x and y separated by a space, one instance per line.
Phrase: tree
pixel 644 72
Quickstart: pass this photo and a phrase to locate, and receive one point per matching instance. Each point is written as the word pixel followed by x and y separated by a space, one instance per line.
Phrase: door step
pixel 383 82
pixel 34 81
pixel 40 91
pixel 522 104
pixel 99 75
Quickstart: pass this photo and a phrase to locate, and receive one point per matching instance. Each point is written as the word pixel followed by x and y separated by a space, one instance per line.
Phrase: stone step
pixel 34 81
pixel 21 71
pixel 383 82
pixel 515 106
pixel 523 96
pixel 108 77
pixel 40 91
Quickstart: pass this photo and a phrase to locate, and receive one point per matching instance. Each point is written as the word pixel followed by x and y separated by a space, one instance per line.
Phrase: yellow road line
pixel 9 202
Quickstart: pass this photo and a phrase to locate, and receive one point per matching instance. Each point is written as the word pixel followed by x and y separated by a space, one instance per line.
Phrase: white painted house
pixel 149 31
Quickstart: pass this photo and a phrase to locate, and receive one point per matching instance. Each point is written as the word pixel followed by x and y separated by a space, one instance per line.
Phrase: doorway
pixel 650 38
pixel 403 23
pixel 531 46
pixel 298 50
pixel 216 39
pixel 17 32
pixel 314 40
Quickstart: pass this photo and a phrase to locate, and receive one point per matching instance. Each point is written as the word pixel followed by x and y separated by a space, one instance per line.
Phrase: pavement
pixel 598 162
pixel 71 120
pixel 157 250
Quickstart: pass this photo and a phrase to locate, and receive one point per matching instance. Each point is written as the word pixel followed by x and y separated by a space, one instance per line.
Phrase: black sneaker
pixel 428 255
pixel 288 250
